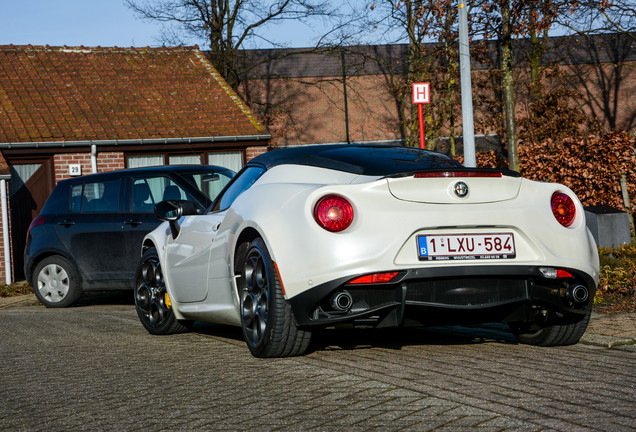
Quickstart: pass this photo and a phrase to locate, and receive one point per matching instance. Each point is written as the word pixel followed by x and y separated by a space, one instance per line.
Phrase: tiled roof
pixel 85 94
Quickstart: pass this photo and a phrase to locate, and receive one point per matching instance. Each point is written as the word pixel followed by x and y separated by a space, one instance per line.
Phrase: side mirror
pixel 172 210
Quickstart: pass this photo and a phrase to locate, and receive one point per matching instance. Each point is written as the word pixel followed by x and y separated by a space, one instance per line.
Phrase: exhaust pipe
pixel 578 294
pixel 341 301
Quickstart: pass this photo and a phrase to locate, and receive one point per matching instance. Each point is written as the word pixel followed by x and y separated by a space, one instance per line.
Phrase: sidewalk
pixel 609 331
pixel 23 300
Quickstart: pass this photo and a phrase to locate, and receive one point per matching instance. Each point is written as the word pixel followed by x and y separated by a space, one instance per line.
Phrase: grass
pixel 15 289
pixel 617 283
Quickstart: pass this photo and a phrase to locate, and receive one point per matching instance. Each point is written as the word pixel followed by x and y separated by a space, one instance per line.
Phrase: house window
pixel 20 173
pixel 228 159
pixel 138 161
pixel 192 159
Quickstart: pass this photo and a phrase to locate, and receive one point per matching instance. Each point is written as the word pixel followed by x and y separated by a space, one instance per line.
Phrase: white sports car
pixel 376 236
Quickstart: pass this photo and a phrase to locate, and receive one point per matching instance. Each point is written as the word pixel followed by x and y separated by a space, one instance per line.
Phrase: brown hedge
pixel 591 167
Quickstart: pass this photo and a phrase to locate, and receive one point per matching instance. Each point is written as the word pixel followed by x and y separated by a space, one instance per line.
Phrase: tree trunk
pixel 507 82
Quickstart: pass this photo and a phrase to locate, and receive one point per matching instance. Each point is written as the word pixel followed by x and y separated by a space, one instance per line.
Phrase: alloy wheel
pixel 255 297
pixel 151 294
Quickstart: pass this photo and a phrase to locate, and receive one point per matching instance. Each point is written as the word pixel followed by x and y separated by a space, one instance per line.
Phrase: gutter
pixel 6 240
pixel 129 142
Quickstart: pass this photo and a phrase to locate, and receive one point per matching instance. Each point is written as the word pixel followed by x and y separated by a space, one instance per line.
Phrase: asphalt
pixel 604 330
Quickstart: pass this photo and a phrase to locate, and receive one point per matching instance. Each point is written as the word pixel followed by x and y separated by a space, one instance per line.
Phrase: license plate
pixel 466 246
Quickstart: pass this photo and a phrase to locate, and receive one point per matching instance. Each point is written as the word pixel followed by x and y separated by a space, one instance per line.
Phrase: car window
pixel 240 184
pixel 148 191
pixel 95 197
pixel 210 183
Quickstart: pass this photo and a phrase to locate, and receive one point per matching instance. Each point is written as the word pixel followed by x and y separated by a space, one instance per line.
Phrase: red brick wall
pixel 252 152
pixel 107 161
pixel 311 110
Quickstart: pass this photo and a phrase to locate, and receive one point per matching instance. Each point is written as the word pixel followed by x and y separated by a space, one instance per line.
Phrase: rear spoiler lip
pixel 458 171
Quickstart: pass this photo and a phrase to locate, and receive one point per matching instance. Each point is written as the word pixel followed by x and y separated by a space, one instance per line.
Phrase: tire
pixel 566 333
pixel 57 283
pixel 155 313
pixel 267 321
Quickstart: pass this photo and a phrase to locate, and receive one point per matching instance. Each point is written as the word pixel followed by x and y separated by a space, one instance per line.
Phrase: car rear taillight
pixel 555 273
pixel 374 278
pixel 457 173
pixel 563 208
pixel 333 213
pixel 39 220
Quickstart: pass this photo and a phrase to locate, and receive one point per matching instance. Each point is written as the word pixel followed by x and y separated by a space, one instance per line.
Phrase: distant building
pixel 346 94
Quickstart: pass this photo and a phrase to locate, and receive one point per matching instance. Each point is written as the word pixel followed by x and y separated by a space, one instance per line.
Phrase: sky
pixel 98 23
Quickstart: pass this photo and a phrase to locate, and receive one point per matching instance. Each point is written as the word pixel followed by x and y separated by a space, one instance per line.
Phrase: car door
pixel 197 261
pixel 187 257
pixel 143 191
pixel 91 231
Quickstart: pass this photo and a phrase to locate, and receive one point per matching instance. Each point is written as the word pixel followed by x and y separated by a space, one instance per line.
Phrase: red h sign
pixel 421 96
pixel 420 93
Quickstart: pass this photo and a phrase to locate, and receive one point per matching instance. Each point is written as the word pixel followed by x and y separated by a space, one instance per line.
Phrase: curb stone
pixel 23 300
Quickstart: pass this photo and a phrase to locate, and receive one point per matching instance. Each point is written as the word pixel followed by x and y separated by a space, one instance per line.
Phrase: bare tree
pixel 225 25
pixel 429 28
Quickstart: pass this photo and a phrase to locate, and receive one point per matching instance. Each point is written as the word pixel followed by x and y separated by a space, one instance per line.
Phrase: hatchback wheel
pixel 151 298
pixel 56 282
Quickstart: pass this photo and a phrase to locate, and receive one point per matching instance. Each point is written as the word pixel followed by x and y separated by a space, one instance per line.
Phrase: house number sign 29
pixel 75 170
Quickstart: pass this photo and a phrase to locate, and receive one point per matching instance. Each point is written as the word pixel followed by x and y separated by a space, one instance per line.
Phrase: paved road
pixel 95 368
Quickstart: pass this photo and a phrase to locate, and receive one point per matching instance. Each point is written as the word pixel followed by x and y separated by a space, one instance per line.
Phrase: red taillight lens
pixel 333 213
pixel 374 278
pixel 563 274
pixel 39 220
pixel 563 208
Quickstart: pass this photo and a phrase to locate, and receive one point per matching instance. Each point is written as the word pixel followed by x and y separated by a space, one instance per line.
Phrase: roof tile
pixel 78 93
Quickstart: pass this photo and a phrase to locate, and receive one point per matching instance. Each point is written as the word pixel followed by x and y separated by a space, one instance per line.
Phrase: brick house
pixel 74 110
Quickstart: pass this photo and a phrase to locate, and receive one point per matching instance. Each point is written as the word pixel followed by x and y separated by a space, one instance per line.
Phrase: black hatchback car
pixel 89 233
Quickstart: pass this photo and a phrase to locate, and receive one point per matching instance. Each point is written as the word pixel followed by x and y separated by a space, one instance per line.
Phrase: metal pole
pixel 466 88
pixel 344 90
pixel 6 239
pixel 420 114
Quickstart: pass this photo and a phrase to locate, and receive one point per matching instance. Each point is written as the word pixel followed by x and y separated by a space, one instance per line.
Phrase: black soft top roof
pixel 373 160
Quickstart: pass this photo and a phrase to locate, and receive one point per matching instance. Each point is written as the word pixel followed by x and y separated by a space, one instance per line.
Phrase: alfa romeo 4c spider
pixel 374 236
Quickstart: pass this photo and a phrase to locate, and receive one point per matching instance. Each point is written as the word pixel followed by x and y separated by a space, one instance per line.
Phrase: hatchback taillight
pixel 333 213
pixel 563 208
pixel 39 220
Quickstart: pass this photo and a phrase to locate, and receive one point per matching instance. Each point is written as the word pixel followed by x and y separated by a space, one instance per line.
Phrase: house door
pixel 31 184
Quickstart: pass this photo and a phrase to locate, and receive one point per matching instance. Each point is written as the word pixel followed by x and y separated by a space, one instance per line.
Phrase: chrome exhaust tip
pixel 578 294
pixel 341 301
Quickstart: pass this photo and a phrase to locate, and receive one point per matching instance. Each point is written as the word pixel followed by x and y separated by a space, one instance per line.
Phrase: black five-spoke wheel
pixel 255 298
pixel 266 318
pixel 151 299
